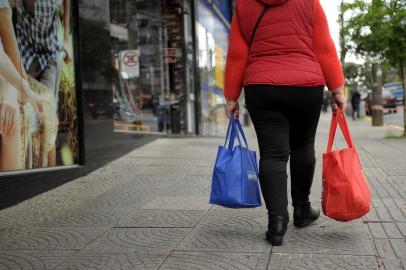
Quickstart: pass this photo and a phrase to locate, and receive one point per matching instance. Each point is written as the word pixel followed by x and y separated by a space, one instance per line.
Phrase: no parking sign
pixel 129 63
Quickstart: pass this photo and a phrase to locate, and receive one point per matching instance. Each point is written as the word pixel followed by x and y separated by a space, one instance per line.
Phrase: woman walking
pixel 282 54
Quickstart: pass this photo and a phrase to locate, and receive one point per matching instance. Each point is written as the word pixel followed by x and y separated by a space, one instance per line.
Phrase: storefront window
pixel 212 36
pixel 38 80
pixel 138 72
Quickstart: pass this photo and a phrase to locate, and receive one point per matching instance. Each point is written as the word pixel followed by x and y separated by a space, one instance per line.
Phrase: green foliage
pixel 358 74
pixel 351 71
pixel 377 29
pixel 366 74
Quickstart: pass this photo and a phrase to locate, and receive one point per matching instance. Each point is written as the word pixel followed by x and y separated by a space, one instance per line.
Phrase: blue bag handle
pixel 238 124
pixel 242 132
pixel 235 126
pixel 231 137
pixel 234 133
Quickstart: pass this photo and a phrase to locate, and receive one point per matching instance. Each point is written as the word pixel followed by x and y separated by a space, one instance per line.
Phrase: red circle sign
pixel 130 59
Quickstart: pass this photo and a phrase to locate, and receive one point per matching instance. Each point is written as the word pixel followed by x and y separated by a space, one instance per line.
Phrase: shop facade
pixel 129 71
pixel 212 29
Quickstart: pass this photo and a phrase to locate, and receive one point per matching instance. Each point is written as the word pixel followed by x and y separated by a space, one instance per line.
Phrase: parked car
pixel 399 95
pixel 389 102
pixel 397 90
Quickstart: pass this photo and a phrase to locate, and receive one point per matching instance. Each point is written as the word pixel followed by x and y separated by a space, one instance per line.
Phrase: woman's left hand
pixel 233 108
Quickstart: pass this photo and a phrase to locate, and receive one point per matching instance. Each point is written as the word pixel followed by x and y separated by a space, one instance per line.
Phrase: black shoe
pixel 276 229
pixel 304 215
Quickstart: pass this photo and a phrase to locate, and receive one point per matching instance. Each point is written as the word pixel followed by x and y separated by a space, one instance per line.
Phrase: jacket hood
pixel 272 2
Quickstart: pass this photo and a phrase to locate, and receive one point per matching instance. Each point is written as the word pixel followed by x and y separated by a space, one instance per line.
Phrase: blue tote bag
pixel 235 174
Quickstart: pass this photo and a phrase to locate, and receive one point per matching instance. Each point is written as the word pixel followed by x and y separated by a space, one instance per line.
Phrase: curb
pixel 369 119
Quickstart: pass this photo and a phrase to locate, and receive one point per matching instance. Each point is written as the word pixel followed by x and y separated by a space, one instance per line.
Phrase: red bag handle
pixel 339 117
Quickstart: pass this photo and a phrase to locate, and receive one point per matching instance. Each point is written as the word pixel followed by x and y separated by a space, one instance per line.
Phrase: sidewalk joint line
pixel 269 257
pixel 170 253
pixel 380 222
pixel 191 229
pixel 216 251
pixel 151 227
pixel 323 254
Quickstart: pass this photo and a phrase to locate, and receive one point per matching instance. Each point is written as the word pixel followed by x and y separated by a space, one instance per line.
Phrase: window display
pixel 212 38
pixel 139 92
pixel 148 66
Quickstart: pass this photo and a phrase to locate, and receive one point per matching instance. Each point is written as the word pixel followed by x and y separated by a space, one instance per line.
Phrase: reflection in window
pixel 138 73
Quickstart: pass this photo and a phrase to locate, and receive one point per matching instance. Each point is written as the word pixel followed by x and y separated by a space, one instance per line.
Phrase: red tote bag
pixel 345 194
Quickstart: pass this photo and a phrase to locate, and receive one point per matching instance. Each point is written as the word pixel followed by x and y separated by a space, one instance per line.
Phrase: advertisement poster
pixel 38 115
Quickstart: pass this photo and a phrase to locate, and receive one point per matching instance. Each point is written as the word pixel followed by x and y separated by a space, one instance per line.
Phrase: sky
pixel 331 9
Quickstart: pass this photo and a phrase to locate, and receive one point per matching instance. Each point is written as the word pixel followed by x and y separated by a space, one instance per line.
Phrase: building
pixel 141 69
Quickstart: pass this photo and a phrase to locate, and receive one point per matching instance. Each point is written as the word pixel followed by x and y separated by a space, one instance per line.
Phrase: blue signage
pixel 212 23
pixel 224 7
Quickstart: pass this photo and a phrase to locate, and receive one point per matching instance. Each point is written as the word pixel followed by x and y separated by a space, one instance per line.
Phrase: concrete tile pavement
pixel 148 210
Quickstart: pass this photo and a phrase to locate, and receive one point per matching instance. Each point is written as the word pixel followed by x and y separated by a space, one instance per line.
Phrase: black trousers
pixel 285 120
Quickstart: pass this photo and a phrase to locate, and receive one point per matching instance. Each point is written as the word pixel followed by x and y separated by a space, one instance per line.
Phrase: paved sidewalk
pixel 148 210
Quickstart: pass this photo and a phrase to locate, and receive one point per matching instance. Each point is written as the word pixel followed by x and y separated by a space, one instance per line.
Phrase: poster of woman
pixel 38 110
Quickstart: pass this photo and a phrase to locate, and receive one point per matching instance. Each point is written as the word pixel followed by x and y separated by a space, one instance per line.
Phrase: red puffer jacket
pixel 292 46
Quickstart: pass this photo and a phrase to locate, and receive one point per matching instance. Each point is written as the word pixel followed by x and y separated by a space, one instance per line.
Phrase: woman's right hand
pixel 232 108
pixel 37 103
pixel 338 99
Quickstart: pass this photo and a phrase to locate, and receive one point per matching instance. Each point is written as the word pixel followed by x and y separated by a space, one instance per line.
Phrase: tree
pixel 366 74
pixel 343 47
pixel 352 73
pixel 377 30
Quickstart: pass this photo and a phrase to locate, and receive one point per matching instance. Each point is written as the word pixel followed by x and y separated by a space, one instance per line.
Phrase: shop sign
pixel 130 66
pixel 170 55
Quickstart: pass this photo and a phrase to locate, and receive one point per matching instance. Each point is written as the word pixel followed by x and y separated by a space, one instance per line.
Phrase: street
pixel 394 118
pixel 149 210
